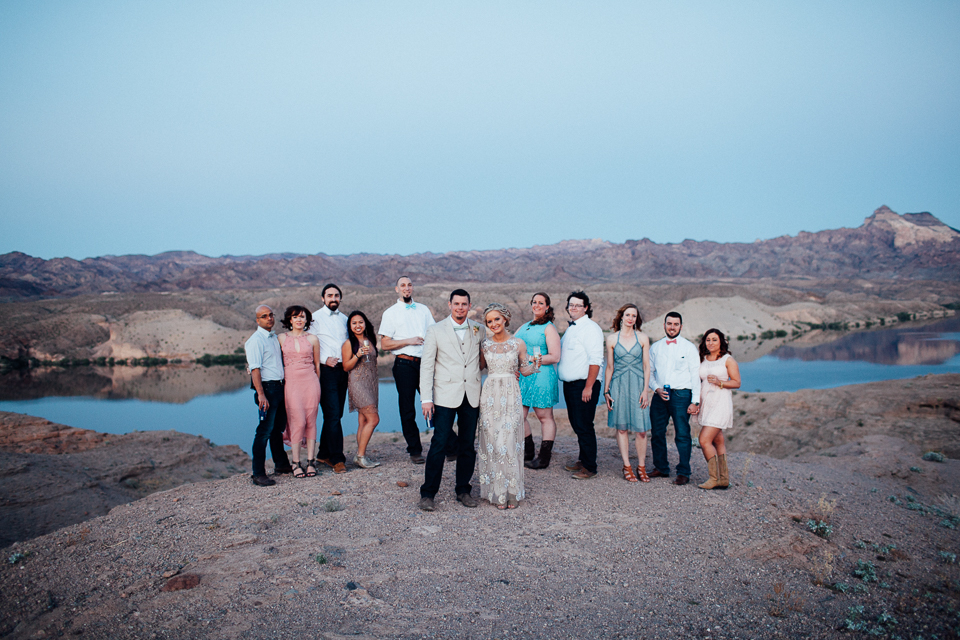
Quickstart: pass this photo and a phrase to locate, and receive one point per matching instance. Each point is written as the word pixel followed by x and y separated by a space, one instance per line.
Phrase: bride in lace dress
pixel 500 466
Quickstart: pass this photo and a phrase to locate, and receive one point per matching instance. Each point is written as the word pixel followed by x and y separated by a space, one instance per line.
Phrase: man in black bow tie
pixel 581 356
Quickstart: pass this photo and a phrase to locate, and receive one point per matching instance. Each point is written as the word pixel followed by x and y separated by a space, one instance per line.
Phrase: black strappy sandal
pixel 311 463
pixel 298 470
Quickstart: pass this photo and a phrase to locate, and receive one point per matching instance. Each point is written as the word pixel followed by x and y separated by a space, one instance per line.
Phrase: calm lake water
pixel 120 401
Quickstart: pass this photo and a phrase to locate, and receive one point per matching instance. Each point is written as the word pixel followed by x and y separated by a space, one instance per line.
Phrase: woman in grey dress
pixel 359 354
pixel 627 395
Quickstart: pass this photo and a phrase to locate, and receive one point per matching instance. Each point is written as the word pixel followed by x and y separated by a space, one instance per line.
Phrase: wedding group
pixel 482 425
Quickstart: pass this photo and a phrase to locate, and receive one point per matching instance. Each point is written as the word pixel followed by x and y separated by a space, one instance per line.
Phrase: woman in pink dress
pixel 719 373
pixel 301 388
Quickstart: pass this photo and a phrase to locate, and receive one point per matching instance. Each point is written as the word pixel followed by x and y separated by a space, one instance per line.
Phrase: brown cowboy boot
pixel 714 474
pixel 723 474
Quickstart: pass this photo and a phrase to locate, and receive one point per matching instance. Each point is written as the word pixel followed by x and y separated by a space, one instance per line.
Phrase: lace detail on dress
pixel 500 466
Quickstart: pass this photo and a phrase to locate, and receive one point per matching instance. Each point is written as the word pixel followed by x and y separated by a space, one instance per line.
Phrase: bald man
pixel 265 362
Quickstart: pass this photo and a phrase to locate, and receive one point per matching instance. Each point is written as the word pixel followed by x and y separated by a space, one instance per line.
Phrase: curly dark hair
pixel 724 345
pixel 547 315
pixel 296 310
pixel 368 331
pixel 618 319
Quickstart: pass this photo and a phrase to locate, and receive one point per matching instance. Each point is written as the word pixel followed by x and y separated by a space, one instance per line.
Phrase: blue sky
pixel 403 127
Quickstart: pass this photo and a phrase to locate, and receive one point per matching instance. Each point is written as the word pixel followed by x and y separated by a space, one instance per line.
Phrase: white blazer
pixel 449 370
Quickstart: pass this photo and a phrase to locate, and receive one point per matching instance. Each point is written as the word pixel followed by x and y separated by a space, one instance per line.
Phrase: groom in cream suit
pixel 450 388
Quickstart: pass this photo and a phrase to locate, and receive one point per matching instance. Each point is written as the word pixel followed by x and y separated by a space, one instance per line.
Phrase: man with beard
pixel 330 327
pixel 675 377
pixel 402 330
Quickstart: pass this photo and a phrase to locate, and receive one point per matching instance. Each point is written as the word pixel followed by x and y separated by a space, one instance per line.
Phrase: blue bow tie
pixel 412 305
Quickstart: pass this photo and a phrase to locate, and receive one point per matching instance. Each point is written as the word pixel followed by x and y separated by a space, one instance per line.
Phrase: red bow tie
pixel 674 341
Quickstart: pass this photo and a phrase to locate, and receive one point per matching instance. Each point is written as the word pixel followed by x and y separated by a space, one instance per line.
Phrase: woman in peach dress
pixel 301 388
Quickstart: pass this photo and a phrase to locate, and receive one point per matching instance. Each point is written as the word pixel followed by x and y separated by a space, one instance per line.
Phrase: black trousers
pixel 443 436
pixel 581 419
pixel 406 375
pixel 270 429
pixel 333 395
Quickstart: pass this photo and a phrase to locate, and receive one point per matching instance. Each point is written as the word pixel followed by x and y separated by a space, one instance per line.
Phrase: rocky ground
pixel 53 476
pixel 352 556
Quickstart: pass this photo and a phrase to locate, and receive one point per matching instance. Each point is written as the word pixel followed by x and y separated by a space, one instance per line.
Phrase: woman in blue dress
pixel 540 391
pixel 627 393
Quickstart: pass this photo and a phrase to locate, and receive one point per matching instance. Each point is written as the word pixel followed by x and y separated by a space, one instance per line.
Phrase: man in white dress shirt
pixel 330 327
pixel 266 372
pixel 402 330
pixel 675 377
pixel 581 355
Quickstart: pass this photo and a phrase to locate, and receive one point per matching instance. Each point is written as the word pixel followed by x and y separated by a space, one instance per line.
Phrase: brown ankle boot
pixel 712 469
pixel 542 461
pixel 723 474
pixel 529 449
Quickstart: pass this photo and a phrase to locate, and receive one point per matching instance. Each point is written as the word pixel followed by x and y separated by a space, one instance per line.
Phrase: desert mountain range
pixel 182 305
pixel 915 246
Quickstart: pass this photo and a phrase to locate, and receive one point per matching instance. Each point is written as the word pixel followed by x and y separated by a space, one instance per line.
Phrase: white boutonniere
pixel 476 329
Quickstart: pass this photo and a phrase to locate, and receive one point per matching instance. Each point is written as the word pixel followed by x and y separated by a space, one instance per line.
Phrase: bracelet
pixel 721 384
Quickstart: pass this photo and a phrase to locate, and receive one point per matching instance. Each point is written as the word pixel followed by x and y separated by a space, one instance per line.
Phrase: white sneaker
pixel 364 462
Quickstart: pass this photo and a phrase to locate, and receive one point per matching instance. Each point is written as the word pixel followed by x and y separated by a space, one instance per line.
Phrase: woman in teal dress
pixel 627 394
pixel 540 391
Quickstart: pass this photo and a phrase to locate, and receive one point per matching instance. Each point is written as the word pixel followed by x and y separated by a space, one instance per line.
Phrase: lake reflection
pixel 931 344
pixel 225 417
pixel 217 402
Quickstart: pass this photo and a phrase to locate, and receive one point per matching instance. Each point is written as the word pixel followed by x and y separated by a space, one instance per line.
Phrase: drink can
pixel 666 388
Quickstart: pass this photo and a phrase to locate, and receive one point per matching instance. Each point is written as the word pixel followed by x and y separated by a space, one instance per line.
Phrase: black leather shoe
pixel 417 458
pixel 263 481
pixel 467 500
pixel 452 458
pixel 681 480
pixel 656 473
pixel 283 470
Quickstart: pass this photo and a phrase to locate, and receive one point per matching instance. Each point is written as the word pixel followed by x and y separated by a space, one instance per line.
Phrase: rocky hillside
pixel 914 246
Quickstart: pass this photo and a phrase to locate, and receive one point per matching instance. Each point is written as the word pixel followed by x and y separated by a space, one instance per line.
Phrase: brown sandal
pixel 628 474
pixel 642 472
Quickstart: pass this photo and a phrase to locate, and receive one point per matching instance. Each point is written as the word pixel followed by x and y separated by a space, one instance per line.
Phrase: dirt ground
pixel 351 556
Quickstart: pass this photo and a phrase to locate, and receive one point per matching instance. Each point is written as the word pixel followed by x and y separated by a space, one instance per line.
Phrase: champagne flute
pixel 536 358
pixel 366 345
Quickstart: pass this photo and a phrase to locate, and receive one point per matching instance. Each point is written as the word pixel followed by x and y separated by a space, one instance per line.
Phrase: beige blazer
pixel 448 371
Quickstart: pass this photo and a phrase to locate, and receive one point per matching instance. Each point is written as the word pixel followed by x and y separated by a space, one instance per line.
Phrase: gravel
pixel 596 558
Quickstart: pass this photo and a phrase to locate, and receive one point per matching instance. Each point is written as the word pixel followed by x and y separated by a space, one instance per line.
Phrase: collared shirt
pixel 677 365
pixel 263 352
pixel 401 322
pixel 330 327
pixel 580 347
pixel 460 329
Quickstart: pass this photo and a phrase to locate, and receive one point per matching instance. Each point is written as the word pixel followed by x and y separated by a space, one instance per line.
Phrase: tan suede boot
pixel 712 469
pixel 723 474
